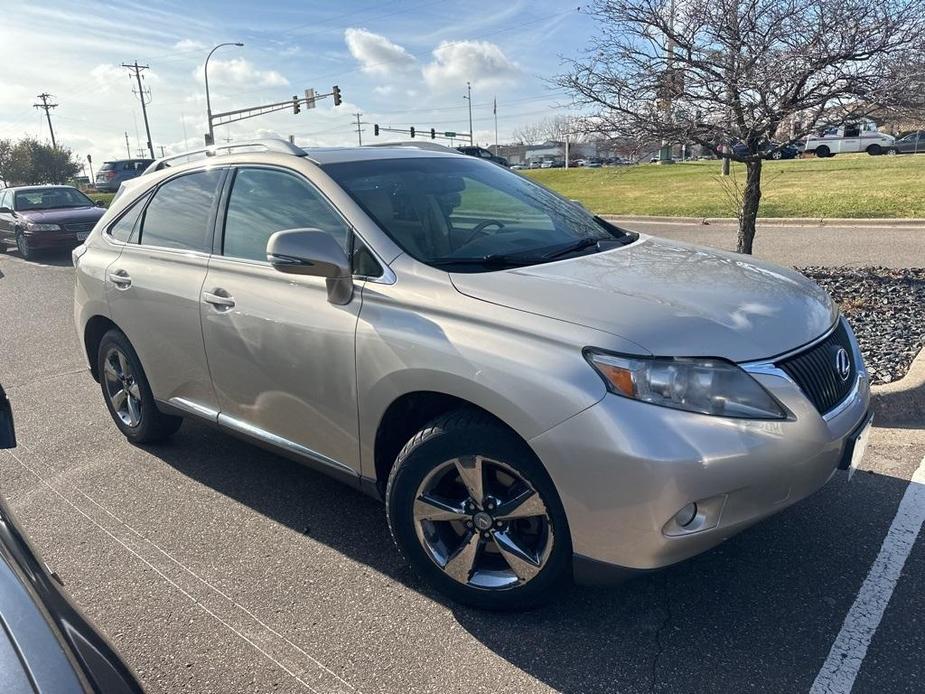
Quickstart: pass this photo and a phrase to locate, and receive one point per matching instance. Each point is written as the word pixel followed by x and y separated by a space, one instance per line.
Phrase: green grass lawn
pixel 843 186
pixel 105 197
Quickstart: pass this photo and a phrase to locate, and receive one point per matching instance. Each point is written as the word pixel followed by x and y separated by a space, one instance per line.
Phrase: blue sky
pixel 400 63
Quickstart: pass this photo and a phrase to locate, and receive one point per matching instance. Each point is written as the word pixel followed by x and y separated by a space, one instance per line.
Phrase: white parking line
pixel 844 662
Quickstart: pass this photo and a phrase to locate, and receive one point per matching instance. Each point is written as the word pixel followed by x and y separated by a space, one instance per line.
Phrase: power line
pixel 45 106
pixel 136 69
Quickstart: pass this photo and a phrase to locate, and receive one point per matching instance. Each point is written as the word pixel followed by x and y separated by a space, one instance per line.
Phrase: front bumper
pixel 624 468
pixel 47 240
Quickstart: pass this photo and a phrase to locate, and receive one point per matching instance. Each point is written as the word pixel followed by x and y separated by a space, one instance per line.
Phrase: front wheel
pixel 127 393
pixel 476 514
pixel 24 247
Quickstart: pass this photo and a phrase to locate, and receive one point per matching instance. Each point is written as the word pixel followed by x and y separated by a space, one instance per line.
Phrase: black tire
pixel 24 247
pixel 822 152
pixel 468 432
pixel 153 425
pixel 874 150
pixel 777 155
pixel 892 151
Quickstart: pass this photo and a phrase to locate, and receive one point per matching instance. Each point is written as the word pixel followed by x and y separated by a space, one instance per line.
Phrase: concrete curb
pixel 902 403
pixel 773 221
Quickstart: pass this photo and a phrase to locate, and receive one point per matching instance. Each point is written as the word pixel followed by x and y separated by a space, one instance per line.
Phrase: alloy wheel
pixel 122 387
pixel 482 523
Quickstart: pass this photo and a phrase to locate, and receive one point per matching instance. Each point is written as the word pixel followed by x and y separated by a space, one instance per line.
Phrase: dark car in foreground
pixel 46 644
pixel 40 218
pixel 114 173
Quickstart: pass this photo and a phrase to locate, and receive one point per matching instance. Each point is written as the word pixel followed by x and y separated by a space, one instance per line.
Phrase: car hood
pixel 64 214
pixel 671 298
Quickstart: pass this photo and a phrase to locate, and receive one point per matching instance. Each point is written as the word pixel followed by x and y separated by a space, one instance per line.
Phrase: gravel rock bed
pixel 886 309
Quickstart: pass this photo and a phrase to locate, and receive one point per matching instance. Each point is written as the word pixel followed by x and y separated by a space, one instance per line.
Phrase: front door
pixel 154 288
pixel 281 355
pixel 6 218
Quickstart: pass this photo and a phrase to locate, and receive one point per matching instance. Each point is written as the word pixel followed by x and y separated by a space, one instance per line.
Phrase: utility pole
pixel 162 152
pixel 45 106
pixel 468 98
pixel 136 69
pixel 128 150
pixel 494 109
pixel 359 129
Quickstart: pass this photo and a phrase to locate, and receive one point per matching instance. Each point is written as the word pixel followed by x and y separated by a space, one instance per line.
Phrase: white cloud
pixel 108 76
pixel 376 54
pixel 384 89
pixel 480 62
pixel 189 45
pixel 239 71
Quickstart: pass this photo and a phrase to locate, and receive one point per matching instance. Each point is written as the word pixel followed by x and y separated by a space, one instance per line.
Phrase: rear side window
pixel 178 215
pixel 264 201
pixel 123 228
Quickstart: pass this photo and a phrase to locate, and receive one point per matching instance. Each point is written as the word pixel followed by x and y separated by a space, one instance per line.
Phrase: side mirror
pixel 316 253
pixel 5 210
pixel 100 203
pixel 7 430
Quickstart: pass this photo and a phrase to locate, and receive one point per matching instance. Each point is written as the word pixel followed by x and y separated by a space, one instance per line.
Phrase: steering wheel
pixel 480 229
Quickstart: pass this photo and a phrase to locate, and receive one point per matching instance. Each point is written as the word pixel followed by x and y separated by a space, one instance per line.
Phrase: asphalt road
pixel 806 245
pixel 217 567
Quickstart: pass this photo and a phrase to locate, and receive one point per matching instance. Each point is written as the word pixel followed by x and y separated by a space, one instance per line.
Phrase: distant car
pixel 46 646
pixel 911 143
pixel 38 218
pixel 483 153
pixel 777 151
pixel 851 137
pixel 594 164
pixel 518 167
pixel 113 173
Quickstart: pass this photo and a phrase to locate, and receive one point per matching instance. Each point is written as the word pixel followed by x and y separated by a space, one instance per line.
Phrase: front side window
pixel 467 215
pixel 179 214
pixel 264 201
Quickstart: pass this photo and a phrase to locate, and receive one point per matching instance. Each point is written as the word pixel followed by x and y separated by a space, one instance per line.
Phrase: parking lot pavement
pixel 215 566
pixel 806 245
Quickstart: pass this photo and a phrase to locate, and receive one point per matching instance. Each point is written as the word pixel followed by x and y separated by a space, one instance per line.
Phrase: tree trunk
pixel 750 199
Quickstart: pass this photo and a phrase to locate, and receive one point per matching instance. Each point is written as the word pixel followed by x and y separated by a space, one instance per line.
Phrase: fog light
pixel 686 515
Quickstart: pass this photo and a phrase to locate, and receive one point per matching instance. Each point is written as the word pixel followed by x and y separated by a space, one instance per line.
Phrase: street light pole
pixel 210 138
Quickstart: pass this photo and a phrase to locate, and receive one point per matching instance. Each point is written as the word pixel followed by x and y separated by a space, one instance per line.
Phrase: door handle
pixel 219 301
pixel 121 279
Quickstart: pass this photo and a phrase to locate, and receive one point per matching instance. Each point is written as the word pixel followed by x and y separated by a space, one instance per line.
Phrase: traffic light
pixel 433 133
pixel 376 129
pixel 412 131
pixel 335 91
pixel 295 104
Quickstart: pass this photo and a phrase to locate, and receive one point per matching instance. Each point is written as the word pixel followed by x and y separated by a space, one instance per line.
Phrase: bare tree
pixel 552 129
pixel 758 73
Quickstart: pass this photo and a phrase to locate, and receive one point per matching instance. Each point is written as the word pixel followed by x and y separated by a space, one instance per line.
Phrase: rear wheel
pixel 777 155
pixel 127 393
pixel 477 515
pixel 823 152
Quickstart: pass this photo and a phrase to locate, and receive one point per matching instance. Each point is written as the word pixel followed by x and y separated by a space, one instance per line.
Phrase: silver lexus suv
pixel 535 393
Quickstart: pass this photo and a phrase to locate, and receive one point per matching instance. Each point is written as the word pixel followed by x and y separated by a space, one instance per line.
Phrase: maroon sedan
pixel 38 218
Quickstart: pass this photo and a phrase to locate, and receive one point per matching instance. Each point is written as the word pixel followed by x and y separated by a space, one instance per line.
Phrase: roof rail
pixel 262 145
pixel 433 146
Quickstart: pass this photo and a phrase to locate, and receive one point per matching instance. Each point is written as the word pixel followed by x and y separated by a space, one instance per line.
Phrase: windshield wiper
pixel 490 260
pixel 572 247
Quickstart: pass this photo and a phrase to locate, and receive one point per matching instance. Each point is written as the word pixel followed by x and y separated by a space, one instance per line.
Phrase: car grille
pixel 817 373
pixel 78 227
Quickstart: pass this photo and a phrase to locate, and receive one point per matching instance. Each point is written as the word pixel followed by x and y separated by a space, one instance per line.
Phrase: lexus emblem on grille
pixel 842 363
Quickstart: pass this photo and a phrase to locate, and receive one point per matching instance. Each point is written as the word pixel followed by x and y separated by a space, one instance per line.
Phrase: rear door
pixel 851 142
pixel 281 355
pixel 154 288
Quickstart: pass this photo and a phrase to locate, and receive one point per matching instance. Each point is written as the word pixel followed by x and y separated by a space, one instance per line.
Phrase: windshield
pixel 50 199
pixel 466 215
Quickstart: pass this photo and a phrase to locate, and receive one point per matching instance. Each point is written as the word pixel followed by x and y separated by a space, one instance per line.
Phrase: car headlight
pixel 35 226
pixel 708 386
